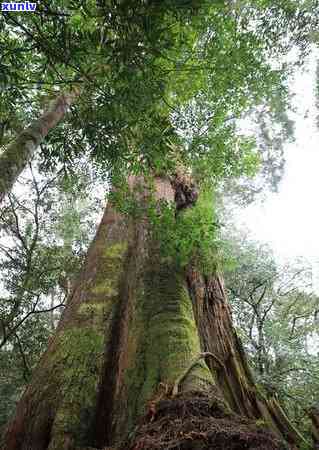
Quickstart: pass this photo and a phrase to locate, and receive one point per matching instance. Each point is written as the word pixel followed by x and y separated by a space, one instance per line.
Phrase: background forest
pixel 153 87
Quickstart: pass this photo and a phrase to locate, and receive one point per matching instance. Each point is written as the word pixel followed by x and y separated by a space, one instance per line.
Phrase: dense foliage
pixel 164 85
pixel 276 310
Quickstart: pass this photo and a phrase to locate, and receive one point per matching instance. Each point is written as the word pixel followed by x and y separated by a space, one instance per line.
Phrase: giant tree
pixel 145 334
pixel 147 330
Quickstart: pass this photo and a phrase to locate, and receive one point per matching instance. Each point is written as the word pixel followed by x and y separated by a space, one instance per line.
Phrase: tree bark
pixel 57 405
pixel 16 156
pixel 144 356
pixel 234 377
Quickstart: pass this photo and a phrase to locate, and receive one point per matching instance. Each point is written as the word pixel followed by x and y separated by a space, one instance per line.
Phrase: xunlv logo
pixel 13 6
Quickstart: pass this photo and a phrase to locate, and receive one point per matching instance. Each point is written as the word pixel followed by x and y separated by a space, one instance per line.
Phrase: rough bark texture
pixel 16 156
pixel 154 336
pixel 218 336
pixel 58 407
pixel 127 362
pixel 128 327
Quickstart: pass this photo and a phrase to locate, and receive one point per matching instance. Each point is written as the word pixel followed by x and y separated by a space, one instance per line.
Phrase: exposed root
pixel 196 421
pixel 193 364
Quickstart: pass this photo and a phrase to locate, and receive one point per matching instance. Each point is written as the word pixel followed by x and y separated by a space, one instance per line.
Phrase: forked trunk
pixel 145 356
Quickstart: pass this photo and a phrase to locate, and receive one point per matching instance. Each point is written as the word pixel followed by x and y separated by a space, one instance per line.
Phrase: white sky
pixel 289 220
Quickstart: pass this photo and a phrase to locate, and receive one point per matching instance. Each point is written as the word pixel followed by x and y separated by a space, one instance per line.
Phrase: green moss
pixel 14 159
pixel 93 311
pixel 191 235
pixel 163 340
pixel 109 271
pixel 261 423
pixel 81 354
pixel 78 358
pixel 107 287
pixel 115 251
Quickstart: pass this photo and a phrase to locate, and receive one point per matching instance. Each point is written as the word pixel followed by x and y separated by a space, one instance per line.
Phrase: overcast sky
pixel 289 220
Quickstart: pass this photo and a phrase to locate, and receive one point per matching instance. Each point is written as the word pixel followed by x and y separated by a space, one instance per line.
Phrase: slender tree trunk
pixel 144 356
pixel 261 346
pixel 16 156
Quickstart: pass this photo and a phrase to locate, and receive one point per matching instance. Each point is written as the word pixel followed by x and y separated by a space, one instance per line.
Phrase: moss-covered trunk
pixel 58 405
pixel 136 362
pixel 128 329
pixel 17 155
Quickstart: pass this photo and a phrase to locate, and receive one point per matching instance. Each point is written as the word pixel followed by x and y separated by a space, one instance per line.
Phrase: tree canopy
pixel 93 92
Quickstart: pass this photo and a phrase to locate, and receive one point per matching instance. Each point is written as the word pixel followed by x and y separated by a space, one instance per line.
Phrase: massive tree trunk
pixel 17 155
pixel 145 355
